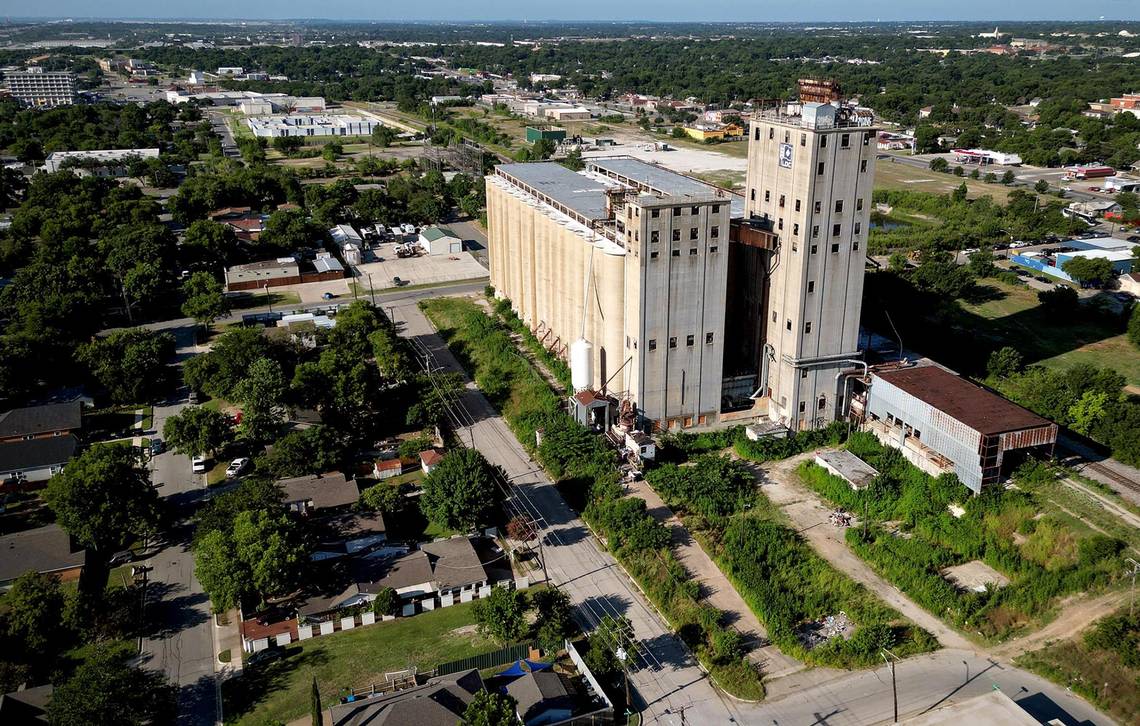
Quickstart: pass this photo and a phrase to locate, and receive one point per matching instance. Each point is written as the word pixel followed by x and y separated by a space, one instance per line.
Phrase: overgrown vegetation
pixel 790 588
pixel 1102 665
pixel 582 465
pixel 909 535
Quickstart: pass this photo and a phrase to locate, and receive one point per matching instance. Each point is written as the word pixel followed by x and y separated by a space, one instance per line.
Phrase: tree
pixel 219 371
pixel 1060 302
pixel 262 394
pixel 939 164
pixel 502 614
pixel 387 602
pixel 332 151
pixel 678 132
pixel 1089 270
pixel 1041 187
pixel 1088 411
pixel 555 618
pixel 315 703
pixel 262 556
pixel 1008 178
pixel 1004 362
pixel 460 492
pixel 205 299
pixel 196 430
pixel 490 709
pixel 384 498
pixel 959 171
pixel 1134 326
pixel 104 689
pixel 104 499
pixel 959 193
pixel 313 450
pixel 897 262
pixel 130 364
pixel 34 606
pixel 288 144
pixel 982 263
pixel 210 242
pixel 389 355
pixel 384 136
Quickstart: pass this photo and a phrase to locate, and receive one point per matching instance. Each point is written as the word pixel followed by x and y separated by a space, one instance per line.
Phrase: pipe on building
pixel 769 354
pixel 844 398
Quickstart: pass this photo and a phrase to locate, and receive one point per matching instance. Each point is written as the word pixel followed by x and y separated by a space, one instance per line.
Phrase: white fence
pixel 348 622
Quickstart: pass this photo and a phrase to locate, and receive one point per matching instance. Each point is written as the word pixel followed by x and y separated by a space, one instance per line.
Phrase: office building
pixel 677 302
pixel 810 176
pixel 311 125
pixel 38 88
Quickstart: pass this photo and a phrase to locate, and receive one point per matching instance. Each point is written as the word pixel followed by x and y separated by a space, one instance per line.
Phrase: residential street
pixel 670 686
pixel 181 643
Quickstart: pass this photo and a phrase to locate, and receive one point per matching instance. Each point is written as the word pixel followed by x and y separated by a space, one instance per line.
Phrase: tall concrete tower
pixel 810 174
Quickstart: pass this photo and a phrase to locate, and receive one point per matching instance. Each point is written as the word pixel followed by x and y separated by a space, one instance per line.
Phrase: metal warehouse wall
pixel 949 437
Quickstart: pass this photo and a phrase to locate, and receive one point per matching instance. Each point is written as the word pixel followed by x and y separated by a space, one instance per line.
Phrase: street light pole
pixel 1134 568
pixel 370 288
pixel 268 299
pixel 894 687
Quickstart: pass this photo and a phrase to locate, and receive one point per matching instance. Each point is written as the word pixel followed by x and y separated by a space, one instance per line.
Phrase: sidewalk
pixel 716 588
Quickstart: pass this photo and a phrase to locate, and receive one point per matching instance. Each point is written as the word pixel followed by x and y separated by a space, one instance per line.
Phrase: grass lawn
pixel 724 178
pixel 245 300
pixel 897 175
pixel 279 692
pixel 1014 317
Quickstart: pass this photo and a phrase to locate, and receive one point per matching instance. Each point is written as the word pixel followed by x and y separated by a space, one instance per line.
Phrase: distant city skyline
pixel 807 11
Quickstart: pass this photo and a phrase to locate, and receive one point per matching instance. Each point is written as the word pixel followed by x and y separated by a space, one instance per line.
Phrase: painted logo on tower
pixel 786 156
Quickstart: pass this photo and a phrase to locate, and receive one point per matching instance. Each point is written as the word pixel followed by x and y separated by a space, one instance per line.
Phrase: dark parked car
pixel 263 657
pixel 397 281
pixel 157 447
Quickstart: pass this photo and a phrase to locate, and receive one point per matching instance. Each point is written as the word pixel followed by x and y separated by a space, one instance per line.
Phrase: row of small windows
pixel 694 233
pixel 677 211
pixel 782 202
pixel 693 252
pixel 844 139
pixel 690 340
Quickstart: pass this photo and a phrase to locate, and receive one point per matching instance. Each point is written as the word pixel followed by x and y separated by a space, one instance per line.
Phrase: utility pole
pixel 621 656
pixel 371 289
pixel 1133 569
pixel 268 298
pixel 894 687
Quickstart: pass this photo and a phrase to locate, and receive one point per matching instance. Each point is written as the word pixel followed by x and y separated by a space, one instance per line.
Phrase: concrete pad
pixel 974 575
pixel 422 270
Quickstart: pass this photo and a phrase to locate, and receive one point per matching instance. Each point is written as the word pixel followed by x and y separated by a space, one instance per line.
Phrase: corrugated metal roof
pixel 978 408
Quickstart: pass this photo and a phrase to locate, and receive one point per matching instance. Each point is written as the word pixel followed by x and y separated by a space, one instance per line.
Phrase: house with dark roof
pixel 41 422
pixel 542 698
pixel 34 460
pixel 943 423
pixel 349 533
pixel 47 550
pixel 318 492
pixel 26 706
pixel 439 702
pixel 445 568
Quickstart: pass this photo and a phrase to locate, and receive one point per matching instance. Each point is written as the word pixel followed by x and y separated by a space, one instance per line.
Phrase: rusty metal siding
pixel 1027 438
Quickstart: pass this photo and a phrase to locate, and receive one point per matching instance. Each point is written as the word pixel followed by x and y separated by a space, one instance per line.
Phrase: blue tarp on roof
pixel 517 668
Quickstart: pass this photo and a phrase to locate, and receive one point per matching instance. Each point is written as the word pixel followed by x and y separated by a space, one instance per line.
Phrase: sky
pixel 809 11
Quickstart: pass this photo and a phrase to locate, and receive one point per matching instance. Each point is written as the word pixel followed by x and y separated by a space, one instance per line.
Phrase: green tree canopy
pixel 104 498
pixel 34 614
pixel 262 556
pixel 205 299
pixel 131 364
pixel 502 614
pixel 104 689
pixel 1089 270
pixel 460 493
pixel 490 709
pixel 196 430
pixel 261 394
pixel 219 371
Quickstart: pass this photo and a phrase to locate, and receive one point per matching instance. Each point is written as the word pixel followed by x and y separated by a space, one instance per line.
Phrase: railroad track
pixel 1116 477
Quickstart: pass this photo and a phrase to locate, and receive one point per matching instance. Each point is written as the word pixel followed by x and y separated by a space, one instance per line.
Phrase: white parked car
pixel 236 467
pixel 198 464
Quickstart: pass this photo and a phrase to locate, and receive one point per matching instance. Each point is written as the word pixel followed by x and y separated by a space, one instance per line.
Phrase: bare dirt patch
pixel 974 575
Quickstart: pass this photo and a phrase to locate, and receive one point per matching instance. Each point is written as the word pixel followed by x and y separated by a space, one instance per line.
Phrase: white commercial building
pixel 41 89
pixel 311 125
pixel 105 163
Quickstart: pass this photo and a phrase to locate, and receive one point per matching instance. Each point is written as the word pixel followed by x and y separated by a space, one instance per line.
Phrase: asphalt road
pixel 670 688
pixel 181 643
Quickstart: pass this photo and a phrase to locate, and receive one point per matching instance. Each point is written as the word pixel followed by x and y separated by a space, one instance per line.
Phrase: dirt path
pixel 809 515
pixel 716 588
pixel 1107 503
pixel 1077 614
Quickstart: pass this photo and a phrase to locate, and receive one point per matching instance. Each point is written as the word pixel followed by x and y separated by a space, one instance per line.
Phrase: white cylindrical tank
pixel 581 364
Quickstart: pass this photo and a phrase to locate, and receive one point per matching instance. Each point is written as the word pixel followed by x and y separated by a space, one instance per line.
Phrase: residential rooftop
pixel 320 491
pixel 37 453
pixel 34 420
pixel 44 549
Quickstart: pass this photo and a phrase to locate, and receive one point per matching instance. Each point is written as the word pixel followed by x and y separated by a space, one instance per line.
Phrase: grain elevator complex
pixel 677 302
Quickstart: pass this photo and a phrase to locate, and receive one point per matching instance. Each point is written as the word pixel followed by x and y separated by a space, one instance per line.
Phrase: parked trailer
pixel 1090 172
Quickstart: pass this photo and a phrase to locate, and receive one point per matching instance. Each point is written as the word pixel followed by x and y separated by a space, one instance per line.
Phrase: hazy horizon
pixel 712 11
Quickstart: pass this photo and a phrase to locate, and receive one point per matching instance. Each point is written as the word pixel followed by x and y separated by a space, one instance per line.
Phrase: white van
pixel 198 464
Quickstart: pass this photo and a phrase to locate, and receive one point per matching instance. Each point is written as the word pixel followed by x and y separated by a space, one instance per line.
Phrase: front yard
pixel 279 691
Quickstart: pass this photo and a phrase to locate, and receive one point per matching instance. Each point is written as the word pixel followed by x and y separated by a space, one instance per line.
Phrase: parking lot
pixel 422 270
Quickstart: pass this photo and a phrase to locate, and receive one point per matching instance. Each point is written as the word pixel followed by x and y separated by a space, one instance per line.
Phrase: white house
pixel 440 241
